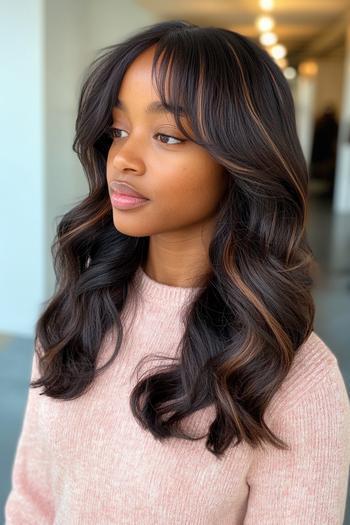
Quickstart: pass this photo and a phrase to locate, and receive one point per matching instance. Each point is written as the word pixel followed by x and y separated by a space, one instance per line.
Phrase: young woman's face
pixel 181 180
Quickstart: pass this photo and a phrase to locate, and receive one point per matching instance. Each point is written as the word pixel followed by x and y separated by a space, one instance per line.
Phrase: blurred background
pixel 46 46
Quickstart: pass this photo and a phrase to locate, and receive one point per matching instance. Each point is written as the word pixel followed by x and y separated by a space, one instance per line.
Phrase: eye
pixel 114 134
pixel 169 137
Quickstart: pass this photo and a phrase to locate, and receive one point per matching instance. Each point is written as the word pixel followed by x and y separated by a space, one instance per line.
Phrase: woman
pixel 189 249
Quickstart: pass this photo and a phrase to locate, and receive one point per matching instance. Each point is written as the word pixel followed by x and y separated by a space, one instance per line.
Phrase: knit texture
pixel 88 462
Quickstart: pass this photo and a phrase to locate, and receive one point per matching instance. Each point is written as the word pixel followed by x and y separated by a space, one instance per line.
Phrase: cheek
pixel 191 189
pixel 109 168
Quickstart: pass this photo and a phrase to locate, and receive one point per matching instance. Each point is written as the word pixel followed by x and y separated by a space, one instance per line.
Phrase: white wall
pixel 46 46
pixel 112 20
pixel 66 38
pixel 22 244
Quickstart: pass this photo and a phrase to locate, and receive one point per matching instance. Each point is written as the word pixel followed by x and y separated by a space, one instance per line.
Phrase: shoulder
pixel 307 482
pixel 311 409
pixel 315 374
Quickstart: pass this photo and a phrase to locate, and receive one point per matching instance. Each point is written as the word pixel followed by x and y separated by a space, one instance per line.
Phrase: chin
pixel 129 229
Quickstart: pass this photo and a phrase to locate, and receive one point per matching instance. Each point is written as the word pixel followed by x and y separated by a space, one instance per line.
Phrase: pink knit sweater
pixel 88 462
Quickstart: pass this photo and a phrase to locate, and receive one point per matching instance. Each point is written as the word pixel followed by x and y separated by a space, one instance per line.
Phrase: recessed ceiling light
pixel 290 73
pixel 268 39
pixel 267 5
pixel 308 69
pixel 278 51
pixel 264 23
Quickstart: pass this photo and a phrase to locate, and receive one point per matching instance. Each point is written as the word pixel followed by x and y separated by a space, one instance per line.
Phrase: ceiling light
pixel 308 69
pixel 290 73
pixel 264 23
pixel 267 5
pixel 268 39
pixel 278 51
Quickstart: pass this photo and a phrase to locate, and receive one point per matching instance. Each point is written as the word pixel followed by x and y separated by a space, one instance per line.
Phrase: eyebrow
pixel 153 107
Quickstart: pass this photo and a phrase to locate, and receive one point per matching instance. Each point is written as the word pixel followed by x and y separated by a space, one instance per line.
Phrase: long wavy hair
pixel 246 324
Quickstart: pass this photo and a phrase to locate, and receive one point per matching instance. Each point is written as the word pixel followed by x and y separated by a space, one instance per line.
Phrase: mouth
pixel 125 202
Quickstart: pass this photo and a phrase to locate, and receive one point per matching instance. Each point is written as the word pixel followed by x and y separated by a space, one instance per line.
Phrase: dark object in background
pixel 324 149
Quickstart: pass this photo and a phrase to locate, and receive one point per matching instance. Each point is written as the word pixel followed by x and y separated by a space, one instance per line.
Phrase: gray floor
pixel 330 240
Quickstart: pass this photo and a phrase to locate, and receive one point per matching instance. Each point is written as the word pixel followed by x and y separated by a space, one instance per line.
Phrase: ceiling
pixel 308 28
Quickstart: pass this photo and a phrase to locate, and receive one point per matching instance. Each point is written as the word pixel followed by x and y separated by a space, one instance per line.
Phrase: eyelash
pixel 112 130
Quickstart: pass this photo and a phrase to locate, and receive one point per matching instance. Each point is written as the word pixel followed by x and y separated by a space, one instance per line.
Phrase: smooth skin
pixel 182 180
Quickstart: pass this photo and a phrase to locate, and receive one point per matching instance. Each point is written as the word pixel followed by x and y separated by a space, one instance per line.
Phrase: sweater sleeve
pixel 29 501
pixel 306 485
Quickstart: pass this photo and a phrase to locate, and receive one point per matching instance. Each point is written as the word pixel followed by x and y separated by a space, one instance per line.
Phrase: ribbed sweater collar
pixel 153 291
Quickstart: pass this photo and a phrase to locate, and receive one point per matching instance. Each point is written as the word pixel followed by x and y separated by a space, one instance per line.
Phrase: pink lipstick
pixel 125 202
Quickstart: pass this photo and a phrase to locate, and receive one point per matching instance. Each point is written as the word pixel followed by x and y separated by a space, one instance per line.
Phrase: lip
pixel 122 188
pixel 126 202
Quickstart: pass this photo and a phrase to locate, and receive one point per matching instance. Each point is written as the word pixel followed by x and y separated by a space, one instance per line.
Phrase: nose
pixel 127 157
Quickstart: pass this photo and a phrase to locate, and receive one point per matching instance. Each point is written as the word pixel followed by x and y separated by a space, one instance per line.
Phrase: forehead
pixel 138 75
pixel 137 80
